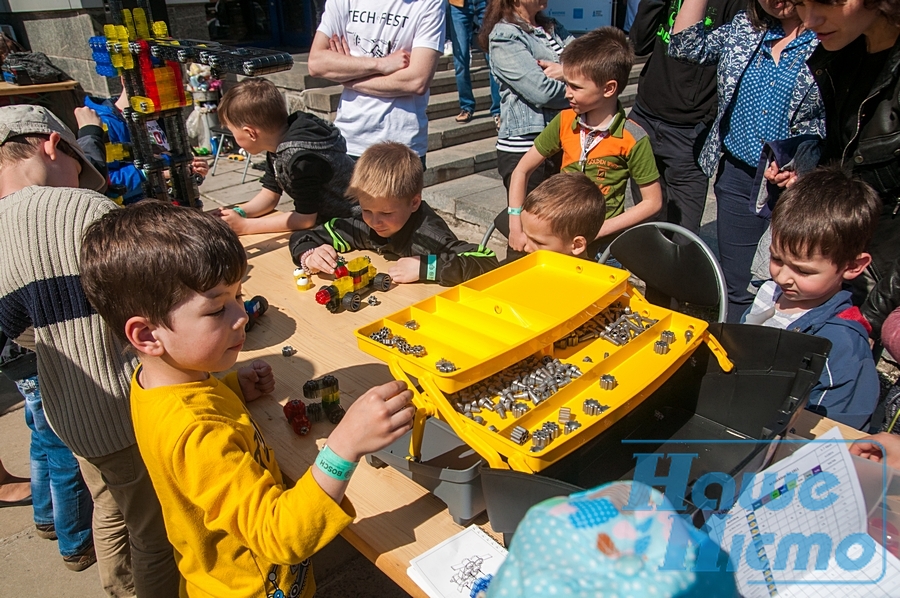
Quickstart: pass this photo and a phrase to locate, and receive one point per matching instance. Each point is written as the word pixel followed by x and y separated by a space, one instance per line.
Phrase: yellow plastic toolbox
pixel 530 361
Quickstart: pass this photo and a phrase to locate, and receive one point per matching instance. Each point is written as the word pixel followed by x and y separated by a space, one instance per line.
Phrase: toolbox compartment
pixel 757 401
pixel 449 469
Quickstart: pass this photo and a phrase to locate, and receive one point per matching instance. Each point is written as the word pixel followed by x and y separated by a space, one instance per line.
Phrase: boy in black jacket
pixel 306 157
pixel 395 221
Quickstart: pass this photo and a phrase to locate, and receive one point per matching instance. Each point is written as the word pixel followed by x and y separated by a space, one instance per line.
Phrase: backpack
pixel 30 68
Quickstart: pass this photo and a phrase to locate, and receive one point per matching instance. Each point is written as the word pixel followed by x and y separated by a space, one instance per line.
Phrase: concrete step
pixel 460 160
pixel 446 132
pixel 298 78
pixel 447 104
pixel 324 100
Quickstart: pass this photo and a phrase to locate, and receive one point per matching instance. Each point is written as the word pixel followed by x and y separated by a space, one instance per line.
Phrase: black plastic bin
pixel 774 372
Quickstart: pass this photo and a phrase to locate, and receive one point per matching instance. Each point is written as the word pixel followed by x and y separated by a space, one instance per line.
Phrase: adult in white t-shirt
pixel 385 53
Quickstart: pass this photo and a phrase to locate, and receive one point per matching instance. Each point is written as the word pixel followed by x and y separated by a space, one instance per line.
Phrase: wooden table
pixel 60 98
pixel 8 89
pixel 396 518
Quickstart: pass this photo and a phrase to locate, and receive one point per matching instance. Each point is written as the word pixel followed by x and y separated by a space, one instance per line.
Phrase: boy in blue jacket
pixel 821 228
pixel 126 180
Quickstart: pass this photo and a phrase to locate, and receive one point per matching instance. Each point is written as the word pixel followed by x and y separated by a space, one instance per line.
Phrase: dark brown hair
pixel 388 169
pixel 254 103
pixel 572 203
pixel 145 259
pixel 889 8
pixel 505 10
pixel 827 213
pixel 760 20
pixel 602 55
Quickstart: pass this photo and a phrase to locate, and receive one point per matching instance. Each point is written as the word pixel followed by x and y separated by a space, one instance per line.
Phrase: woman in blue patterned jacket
pixel 766 93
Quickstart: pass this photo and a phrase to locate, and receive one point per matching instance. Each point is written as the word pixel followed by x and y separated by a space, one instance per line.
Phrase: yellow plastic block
pixel 520 311
pixel 140 24
pixel 143 105
pixel 131 34
pixel 116 152
pixel 160 29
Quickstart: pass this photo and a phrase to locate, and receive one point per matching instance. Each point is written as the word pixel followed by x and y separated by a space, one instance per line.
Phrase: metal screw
pixel 519 435
pixel 688 335
pixel 608 382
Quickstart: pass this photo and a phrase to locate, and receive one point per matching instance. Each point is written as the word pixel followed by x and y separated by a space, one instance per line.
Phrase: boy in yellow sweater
pixel 168 280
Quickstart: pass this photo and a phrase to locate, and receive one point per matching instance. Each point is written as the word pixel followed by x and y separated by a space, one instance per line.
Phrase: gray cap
pixel 25 119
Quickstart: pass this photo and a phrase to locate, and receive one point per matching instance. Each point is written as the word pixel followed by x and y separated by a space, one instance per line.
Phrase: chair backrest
pixel 689 273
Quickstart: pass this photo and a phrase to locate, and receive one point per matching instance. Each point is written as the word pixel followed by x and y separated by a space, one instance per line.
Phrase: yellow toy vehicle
pixel 350 277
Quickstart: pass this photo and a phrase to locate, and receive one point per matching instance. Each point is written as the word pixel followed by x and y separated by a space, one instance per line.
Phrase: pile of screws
pixel 617 324
pixel 387 338
pixel 593 407
pixel 444 366
pixel 510 390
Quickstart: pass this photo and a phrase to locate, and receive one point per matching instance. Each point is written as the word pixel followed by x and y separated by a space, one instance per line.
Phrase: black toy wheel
pixel 351 301
pixel 382 282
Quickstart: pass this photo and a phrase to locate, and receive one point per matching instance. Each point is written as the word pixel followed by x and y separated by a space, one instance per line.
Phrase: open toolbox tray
pixel 520 311
pixel 693 412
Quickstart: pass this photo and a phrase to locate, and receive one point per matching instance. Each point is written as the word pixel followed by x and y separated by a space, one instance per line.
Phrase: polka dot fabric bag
pixel 590 545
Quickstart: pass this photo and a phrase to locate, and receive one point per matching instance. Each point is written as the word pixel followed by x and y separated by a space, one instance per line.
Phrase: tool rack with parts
pixel 548 348
pixel 139 49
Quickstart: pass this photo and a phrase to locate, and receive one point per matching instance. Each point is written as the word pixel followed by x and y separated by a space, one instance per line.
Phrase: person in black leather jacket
pixel 857 69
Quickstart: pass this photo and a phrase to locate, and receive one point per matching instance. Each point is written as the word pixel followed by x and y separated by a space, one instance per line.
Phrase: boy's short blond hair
pixel 20 148
pixel 389 170
pixel 254 103
pixel 571 202
pixel 601 55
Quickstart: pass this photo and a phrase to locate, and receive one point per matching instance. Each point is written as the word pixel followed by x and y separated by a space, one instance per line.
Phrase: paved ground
pixel 31 566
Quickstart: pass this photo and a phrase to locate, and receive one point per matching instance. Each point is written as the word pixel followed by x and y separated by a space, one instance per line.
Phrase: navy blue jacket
pixel 848 387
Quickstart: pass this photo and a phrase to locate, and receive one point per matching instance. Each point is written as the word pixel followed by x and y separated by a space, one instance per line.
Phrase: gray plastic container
pixel 449 469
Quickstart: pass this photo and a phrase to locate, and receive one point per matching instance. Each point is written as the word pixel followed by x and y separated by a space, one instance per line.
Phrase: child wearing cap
pixel 47 200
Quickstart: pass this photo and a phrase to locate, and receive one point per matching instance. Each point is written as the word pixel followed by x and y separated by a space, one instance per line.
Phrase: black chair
pixel 222 133
pixel 689 273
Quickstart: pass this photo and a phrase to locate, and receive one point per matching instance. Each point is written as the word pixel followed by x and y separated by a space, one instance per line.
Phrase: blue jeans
pixel 739 230
pixel 58 492
pixel 465 23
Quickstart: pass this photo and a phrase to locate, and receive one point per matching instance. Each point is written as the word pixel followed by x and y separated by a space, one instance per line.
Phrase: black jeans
pixel 506 164
pixel 683 184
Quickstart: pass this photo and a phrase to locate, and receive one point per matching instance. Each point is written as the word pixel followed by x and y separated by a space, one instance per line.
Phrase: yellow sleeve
pixel 216 467
pixel 231 381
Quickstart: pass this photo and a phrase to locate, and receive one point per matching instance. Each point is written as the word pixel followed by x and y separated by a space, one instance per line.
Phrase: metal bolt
pixel 608 382
pixel 519 435
pixel 688 335
pixel 571 426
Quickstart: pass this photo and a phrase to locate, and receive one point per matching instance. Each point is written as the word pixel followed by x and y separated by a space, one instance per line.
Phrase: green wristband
pixel 239 211
pixel 333 465
pixel 514 211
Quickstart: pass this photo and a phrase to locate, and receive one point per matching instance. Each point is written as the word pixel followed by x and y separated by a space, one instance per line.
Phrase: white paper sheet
pixel 449 569
pixel 763 534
